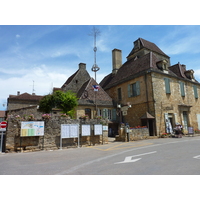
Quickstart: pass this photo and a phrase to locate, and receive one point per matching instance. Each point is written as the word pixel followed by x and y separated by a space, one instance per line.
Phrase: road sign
pixel 3 124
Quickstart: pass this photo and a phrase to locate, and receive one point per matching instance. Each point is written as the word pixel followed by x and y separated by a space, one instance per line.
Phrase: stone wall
pixel 51 138
pixel 134 134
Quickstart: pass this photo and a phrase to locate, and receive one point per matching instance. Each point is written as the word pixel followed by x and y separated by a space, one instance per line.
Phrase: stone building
pixel 22 101
pixel 148 91
pixel 91 103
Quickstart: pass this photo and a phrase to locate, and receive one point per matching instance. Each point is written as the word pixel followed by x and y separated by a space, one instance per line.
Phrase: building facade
pixel 160 95
pixel 24 100
pixel 91 102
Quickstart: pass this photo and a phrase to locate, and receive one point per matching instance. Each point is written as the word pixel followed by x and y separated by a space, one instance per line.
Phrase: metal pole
pixel 78 136
pixel 102 134
pixel 60 142
pixel 43 143
pixel 1 141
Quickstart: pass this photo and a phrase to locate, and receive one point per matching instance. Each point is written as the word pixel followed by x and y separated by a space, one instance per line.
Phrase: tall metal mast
pixel 95 32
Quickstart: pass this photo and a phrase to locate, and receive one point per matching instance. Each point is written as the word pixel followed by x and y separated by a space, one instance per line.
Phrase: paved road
pixel 167 156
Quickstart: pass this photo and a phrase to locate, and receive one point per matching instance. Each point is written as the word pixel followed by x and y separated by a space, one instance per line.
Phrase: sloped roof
pixel 25 96
pixel 106 80
pixel 86 95
pixel 179 70
pixel 70 79
pixel 148 45
pixel 132 67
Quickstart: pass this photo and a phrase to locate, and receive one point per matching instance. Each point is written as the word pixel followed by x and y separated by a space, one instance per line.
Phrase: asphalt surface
pixel 164 156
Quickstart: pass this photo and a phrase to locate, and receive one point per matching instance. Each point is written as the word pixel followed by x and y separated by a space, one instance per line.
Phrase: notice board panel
pixel 85 130
pixel 69 130
pixel 32 128
pixel 98 129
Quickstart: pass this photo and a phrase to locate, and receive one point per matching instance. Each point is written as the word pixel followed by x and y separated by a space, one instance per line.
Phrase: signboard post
pixel 3 126
pixel 98 130
pixel 1 147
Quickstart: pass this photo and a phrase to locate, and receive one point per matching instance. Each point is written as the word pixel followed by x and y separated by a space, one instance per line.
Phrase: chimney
pixel 18 93
pixel 82 66
pixel 116 60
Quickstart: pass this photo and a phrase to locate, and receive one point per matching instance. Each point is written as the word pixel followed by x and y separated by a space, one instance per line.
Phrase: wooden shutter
pixel 195 91
pixel 167 85
pixel 104 113
pixel 129 90
pixel 113 114
pixel 138 88
pixel 182 86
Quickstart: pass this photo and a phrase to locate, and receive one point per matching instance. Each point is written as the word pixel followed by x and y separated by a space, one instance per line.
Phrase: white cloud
pixel 43 79
pixel 183 39
pixel 101 45
pixel 17 36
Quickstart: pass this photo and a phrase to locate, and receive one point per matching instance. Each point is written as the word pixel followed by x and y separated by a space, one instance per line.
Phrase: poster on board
pixel 32 128
pixel 65 131
pixel 69 130
pixel 85 130
pixel 98 129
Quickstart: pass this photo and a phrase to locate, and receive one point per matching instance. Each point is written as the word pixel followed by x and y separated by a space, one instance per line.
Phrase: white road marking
pixel 73 169
pixel 197 157
pixel 129 158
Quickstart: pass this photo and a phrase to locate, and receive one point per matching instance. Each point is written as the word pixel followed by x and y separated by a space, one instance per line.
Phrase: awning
pixel 147 116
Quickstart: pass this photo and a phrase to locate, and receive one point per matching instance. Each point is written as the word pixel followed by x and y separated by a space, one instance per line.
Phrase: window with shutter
pixel 134 89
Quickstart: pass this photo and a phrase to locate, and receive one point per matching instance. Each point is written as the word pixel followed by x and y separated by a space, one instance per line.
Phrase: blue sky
pixel 48 54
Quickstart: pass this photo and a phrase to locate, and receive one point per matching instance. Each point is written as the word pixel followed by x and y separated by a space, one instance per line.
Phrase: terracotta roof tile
pixel 26 96
pixel 87 94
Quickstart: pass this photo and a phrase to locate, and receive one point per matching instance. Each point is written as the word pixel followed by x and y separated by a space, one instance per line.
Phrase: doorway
pixel 185 120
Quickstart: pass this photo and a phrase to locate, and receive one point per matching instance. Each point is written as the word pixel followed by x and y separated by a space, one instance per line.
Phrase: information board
pixel 85 130
pixel 69 130
pixel 98 129
pixel 32 128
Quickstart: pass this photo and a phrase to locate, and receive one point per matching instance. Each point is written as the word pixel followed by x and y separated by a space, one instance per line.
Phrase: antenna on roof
pixel 33 90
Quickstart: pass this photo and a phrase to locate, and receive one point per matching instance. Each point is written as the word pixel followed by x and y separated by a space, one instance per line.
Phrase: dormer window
pixel 163 65
pixel 190 74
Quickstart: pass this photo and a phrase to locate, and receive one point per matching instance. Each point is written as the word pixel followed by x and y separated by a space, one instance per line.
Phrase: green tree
pixel 66 101
pixel 46 104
